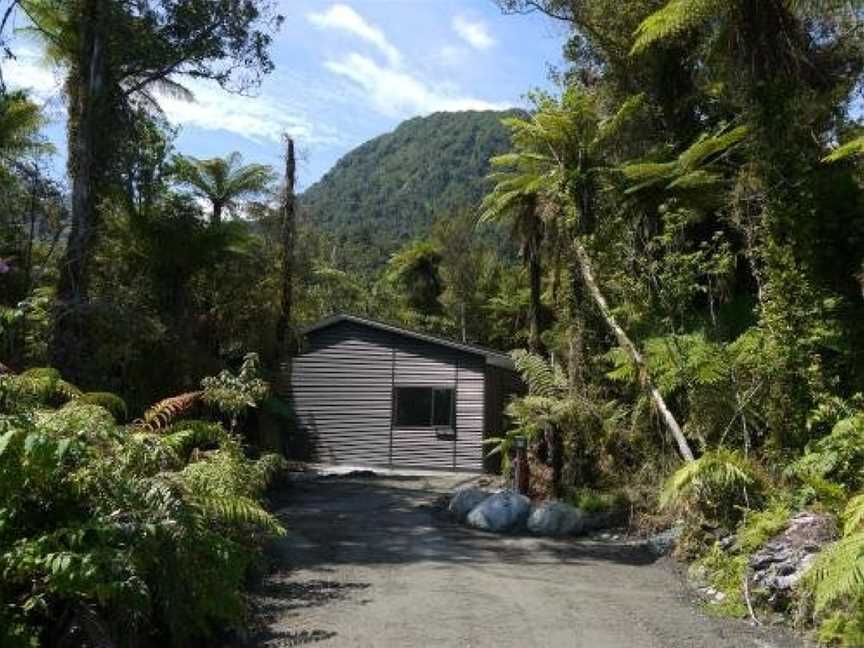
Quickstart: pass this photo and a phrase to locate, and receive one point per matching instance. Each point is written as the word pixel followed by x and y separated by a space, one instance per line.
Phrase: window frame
pixel 440 429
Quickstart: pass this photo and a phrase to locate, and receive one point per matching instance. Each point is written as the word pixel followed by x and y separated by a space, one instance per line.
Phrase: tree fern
pixel 697 167
pixel 715 485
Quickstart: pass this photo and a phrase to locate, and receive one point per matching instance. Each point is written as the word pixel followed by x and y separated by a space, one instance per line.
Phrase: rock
pixel 664 543
pixel 784 559
pixel 503 511
pixel 597 520
pixel 464 500
pixel 555 519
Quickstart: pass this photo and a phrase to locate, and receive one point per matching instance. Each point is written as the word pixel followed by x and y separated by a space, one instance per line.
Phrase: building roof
pixel 493 357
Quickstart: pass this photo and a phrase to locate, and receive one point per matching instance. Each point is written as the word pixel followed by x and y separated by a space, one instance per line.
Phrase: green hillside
pixel 393 187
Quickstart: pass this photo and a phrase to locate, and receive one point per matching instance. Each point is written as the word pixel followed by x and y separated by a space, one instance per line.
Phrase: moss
pixel 760 526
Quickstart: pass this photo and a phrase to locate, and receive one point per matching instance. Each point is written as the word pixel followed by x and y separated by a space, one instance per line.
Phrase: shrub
pixel 717 487
pixel 111 402
pixel 837 457
pixel 761 526
pixel 726 573
pixel 147 532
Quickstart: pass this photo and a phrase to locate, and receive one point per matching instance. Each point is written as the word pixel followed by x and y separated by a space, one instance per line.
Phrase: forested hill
pixel 392 188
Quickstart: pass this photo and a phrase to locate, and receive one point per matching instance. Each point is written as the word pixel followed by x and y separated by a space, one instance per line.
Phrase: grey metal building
pixel 369 393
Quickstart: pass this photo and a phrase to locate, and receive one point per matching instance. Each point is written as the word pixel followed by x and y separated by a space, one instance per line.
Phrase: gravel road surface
pixel 373 562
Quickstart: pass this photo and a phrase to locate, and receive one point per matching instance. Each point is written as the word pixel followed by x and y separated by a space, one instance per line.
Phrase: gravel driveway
pixel 372 562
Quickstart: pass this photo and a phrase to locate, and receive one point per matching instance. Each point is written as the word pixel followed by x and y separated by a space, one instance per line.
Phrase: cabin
pixel 371 394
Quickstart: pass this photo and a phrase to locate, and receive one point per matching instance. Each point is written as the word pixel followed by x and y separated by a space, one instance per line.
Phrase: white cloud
pixel 397 93
pixel 340 16
pixel 256 118
pixel 473 32
pixel 26 71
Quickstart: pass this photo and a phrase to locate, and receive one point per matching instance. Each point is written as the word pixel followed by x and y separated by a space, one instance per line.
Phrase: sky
pixel 346 72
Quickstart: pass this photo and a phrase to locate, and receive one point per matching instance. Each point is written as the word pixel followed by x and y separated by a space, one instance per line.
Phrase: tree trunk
pixel 624 340
pixel 216 217
pixel 285 337
pixel 88 116
pixel 535 306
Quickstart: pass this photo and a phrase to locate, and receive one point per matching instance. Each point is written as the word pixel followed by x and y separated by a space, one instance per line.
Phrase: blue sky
pixel 346 72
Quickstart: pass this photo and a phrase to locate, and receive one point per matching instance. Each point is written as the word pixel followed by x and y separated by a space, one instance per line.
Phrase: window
pixel 424 407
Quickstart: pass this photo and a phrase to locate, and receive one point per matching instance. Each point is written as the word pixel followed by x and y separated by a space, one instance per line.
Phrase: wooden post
pixel 522 475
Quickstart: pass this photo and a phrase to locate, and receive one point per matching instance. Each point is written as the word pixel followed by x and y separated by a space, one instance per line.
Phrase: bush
pixel 761 526
pixel 716 487
pixel 143 533
pixel 595 501
pixel 836 458
pixel 726 574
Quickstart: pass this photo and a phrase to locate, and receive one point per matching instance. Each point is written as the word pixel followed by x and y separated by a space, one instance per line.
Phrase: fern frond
pixel 674 19
pixel 852 148
pixel 708 145
pixel 161 414
pixel 240 511
pixel 853 516
pixel 543 378
pixel 838 572
pixel 718 473
pixel 182 437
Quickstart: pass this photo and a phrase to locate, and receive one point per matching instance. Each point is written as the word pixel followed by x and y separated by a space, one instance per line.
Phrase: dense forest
pixel 682 288
pixel 393 188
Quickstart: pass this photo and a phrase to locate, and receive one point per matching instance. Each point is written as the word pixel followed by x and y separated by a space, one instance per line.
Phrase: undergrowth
pixel 139 533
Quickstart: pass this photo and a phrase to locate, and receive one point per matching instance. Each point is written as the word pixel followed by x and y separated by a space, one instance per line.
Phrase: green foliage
pixel 837 458
pixel 153 530
pixel 726 573
pixel 717 486
pixel 231 393
pixel 852 148
pixel 761 526
pixel 392 188
pixel 111 402
pixel 223 181
pixel 843 629
pixel 595 501
pixel 675 18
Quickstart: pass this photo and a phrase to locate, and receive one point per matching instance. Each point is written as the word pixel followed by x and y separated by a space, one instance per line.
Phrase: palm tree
pixel 559 158
pixel 223 181
pixel 516 199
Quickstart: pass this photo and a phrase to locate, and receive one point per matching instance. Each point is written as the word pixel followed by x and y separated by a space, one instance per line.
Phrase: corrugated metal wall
pixel 341 391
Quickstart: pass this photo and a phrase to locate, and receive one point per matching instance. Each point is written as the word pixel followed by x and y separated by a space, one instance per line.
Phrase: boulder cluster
pixel 506 511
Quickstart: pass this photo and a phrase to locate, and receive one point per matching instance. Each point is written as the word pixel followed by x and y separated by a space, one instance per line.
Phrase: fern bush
pixel 151 528
pixel 718 487
pixel 837 458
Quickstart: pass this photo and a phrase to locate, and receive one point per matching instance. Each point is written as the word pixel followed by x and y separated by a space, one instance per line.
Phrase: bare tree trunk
pixel 216 216
pixel 535 273
pixel 625 341
pixel 87 115
pixel 285 337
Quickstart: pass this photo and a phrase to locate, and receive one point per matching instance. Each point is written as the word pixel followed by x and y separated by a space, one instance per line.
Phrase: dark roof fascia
pixel 492 357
